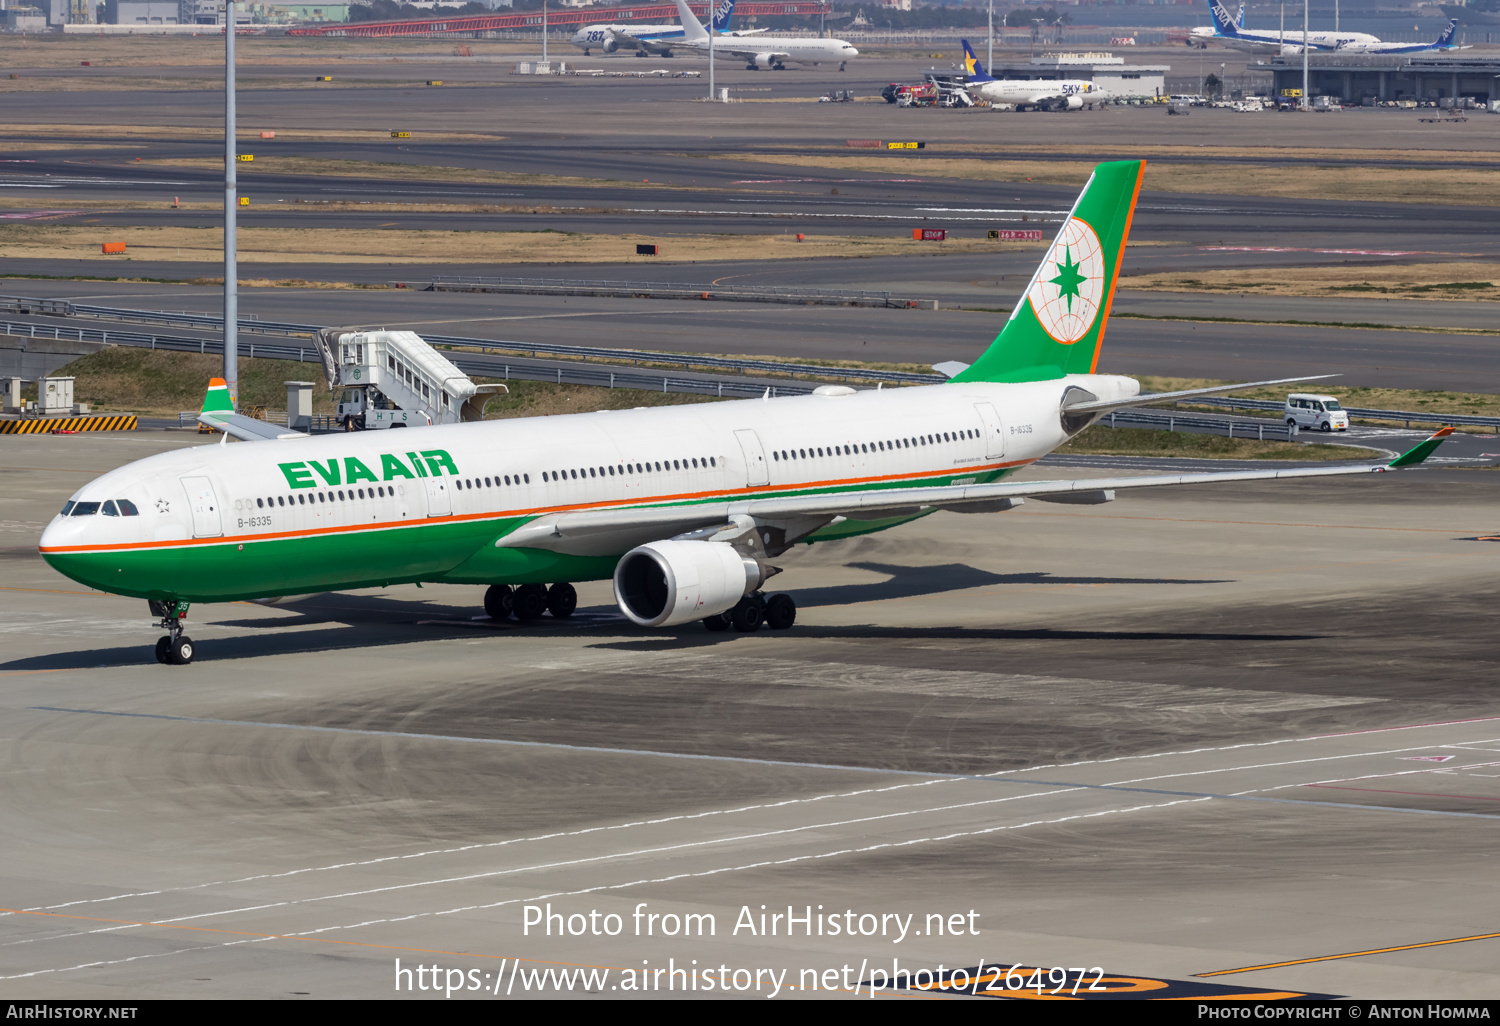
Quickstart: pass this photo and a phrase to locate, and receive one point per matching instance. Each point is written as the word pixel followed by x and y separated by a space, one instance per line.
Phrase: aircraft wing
pixel 746 54
pixel 582 531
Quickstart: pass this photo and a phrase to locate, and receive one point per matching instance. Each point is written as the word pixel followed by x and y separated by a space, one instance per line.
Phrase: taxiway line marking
pixel 932 780
pixel 1247 523
pixel 998 778
pixel 1417 794
pixel 252 938
pixel 1350 954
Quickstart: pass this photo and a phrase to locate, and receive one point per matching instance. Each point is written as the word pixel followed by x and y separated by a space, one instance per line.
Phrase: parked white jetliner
pixel 1230 35
pixel 646 39
pixel 768 53
pixel 1042 93
pixel 685 508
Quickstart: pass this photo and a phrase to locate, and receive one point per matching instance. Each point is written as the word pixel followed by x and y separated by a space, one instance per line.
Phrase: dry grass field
pixel 352 245
pixel 1456 280
pixel 1460 186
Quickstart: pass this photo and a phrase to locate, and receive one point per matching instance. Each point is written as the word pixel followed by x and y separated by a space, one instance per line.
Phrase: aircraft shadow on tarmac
pixel 334 621
pixel 916 581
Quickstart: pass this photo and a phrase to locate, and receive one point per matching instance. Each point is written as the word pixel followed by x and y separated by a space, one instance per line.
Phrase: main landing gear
pixel 530 601
pixel 754 610
pixel 176 649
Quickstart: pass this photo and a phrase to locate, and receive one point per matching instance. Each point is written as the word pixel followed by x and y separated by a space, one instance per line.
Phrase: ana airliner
pixel 1231 35
pixel 685 508
pixel 772 53
pixel 646 39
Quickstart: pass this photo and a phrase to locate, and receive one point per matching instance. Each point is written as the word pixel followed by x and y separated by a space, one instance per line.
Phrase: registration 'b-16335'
pixel 686 509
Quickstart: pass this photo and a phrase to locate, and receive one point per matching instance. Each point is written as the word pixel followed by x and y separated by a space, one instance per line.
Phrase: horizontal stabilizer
pixel 246 429
pixel 1105 405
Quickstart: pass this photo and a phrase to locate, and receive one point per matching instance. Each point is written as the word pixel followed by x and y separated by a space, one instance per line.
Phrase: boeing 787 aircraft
pixel 685 508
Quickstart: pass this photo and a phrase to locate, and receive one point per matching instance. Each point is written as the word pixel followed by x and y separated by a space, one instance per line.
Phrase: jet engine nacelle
pixel 1074 102
pixel 763 60
pixel 610 44
pixel 665 583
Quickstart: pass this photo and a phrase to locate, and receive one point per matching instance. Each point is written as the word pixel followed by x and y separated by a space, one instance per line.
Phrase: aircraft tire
pixel 497 601
pixel 164 650
pixel 747 614
pixel 529 602
pixel 781 612
pixel 181 650
pixel 562 599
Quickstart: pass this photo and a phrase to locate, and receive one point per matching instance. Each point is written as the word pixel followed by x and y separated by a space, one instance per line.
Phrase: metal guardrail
pixel 1202 425
pixel 581 374
pixel 662 290
pixel 636 357
pixel 175 343
pixel 1408 416
pixel 57 307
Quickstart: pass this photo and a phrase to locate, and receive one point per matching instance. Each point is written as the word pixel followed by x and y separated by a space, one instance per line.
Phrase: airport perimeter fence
pixel 635 357
pixel 661 290
pixel 584 373
pixel 580 374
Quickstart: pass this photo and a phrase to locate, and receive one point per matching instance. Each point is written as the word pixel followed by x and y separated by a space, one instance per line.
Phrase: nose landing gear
pixel 176 649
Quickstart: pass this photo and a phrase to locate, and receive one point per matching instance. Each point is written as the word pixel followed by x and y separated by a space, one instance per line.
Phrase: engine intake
pixel 666 583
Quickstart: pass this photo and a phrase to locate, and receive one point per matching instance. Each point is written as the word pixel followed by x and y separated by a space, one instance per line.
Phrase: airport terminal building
pixel 1356 77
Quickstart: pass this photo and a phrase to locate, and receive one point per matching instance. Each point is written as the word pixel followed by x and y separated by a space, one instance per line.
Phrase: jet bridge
pixel 392 379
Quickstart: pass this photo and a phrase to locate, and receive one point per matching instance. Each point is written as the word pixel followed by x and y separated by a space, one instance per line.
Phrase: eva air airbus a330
pixel 683 507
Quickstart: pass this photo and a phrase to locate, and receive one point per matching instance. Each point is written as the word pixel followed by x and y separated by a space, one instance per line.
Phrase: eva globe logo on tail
pixel 1069 288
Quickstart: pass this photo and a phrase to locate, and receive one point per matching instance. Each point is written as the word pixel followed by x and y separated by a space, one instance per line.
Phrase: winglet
pixel 217 398
pixel 1423 450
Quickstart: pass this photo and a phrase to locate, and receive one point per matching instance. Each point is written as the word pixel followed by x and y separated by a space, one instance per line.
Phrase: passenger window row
pixel 109 507
pixel 331 495
pixel 624 469
pixel 855 448
pixel 495 482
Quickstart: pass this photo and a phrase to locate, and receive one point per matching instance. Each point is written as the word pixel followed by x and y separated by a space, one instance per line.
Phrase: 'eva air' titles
pixel 352 470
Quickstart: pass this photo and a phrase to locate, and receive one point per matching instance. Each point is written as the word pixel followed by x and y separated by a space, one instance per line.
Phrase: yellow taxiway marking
pixel 1351 954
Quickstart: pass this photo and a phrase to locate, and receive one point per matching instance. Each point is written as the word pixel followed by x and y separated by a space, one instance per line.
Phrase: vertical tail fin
pixel 216 399
pixel 1058 325
pixel 972 68
pixel 692 28
pixel 1222 23
pixel 1446 39
pixel 722 14
pixel 1239 19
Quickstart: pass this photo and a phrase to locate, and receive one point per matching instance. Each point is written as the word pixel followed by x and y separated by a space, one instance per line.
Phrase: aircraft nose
pixel 851 51
pixel 57 533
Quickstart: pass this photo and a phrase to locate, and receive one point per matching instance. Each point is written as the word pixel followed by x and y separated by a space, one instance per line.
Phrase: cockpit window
pixel 108 509
pixel 68 507
pixel 85 509
pixel 127 508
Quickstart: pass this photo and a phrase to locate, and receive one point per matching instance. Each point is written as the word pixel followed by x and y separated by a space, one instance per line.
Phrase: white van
pixel 1323 412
